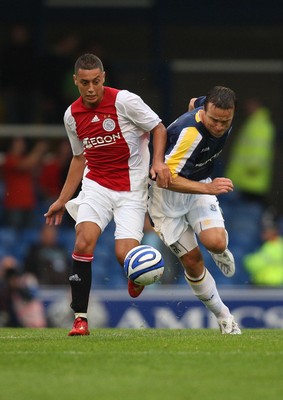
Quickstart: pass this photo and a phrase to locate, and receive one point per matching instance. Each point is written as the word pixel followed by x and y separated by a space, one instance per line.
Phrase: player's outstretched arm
pixel 216 186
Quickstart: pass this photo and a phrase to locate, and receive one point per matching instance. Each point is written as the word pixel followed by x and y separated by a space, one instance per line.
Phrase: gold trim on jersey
pixel 184 147
pixel 197 117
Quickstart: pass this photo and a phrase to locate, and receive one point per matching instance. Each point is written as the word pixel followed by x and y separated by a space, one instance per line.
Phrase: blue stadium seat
pixel 8 241
pixel 26 237
pixel 67 237
pixel 107 272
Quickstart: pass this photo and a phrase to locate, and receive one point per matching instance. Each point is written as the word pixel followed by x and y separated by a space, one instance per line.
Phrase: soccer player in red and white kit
pixel 109 132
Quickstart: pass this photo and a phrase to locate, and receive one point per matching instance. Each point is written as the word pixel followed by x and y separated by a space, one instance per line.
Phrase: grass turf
pixel 146 364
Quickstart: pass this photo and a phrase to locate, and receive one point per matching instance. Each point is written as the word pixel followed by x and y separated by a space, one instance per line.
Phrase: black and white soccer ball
pixel 144 265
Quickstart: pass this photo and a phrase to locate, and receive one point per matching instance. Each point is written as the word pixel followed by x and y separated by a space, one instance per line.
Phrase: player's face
pixel 216 120
pixel 90 85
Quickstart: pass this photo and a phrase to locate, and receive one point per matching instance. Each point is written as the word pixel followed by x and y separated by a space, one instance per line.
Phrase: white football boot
pixel 225 262
pixel 228 326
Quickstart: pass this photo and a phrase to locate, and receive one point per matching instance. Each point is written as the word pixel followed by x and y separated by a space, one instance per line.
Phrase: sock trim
pixel 195 280
pixel 82 257
pixel 80 315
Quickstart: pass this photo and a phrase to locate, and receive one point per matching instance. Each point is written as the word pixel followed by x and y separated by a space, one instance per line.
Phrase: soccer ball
pixel 144 265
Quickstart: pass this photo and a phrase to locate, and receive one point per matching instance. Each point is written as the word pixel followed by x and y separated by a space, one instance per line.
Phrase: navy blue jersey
pixel 191 150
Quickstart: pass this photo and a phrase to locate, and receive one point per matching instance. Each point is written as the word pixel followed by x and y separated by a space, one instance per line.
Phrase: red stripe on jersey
pixel 105 148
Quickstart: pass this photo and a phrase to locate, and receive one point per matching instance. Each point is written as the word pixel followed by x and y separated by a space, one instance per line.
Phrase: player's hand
pixel 191 105
pixel 220 185
pixel 55 213
pixel 161 172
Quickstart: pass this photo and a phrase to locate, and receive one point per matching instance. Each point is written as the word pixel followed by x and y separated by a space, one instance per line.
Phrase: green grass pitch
pixel 145 364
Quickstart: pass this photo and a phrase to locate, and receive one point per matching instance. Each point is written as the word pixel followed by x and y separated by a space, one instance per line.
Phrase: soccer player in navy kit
pixel 189 206
pixel 108 131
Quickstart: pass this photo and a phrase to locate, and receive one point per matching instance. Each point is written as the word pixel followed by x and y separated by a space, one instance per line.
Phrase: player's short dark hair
pixel 88 61
pixel 221 97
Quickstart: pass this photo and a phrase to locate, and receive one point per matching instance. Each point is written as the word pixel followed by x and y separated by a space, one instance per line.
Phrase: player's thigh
pixel 87 234
pixel 204 213
pixel 122 247
pixel 129 215
pixel 184 243
pixel 95 210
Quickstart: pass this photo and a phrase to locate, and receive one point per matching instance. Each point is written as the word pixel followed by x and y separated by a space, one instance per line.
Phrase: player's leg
pixel 204 288
pixel 92 211
pixel 201 281
pixel 87 234
pixel 129 218
pixel 177 233
pixel 206 218
pixel 123 246
pixel 216 242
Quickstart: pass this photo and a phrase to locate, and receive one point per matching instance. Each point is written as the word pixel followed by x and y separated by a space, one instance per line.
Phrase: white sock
pixel 80 315
pixel 205 290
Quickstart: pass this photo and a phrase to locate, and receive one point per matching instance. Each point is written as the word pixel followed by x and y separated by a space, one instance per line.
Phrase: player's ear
pixel 75 80
pixel 103 76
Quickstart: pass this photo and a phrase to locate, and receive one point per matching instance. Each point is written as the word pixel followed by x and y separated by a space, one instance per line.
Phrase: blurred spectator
pixel 52 177
pixel 48 259
pixel 19 68
pixel 19 302
pixel 250 165
pixel 265 266
pixel 19 167
pixel 54 171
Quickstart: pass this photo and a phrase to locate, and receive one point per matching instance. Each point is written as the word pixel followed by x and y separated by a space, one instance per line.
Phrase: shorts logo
pixel 108 125
pixel 175 249
pixel 213 207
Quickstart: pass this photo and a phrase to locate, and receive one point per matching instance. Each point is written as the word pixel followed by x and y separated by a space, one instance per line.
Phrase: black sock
pixel 80 282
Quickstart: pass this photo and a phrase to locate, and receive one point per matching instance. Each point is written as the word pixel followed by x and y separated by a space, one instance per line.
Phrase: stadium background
pixel 169 51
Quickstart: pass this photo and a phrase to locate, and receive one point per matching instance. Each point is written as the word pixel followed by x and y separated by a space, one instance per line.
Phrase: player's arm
pixel 56 210
pixel 191 105
pixel 159 168
pixel 134 108
pixel 183 185
pixel 196 102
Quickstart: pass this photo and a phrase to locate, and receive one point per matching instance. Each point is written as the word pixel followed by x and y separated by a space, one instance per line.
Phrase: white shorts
pixel 98 204
pixel 178 217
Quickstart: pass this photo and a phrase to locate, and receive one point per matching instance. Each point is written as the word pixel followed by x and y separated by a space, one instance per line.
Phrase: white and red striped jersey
pixel 114 138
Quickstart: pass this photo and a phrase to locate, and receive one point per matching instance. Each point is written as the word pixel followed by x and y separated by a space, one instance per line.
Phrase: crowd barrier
pixel 169 307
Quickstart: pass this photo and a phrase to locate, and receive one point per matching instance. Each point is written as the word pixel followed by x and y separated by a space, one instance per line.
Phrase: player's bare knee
pixel 82 245
pixel 215 241
pixel 217 246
